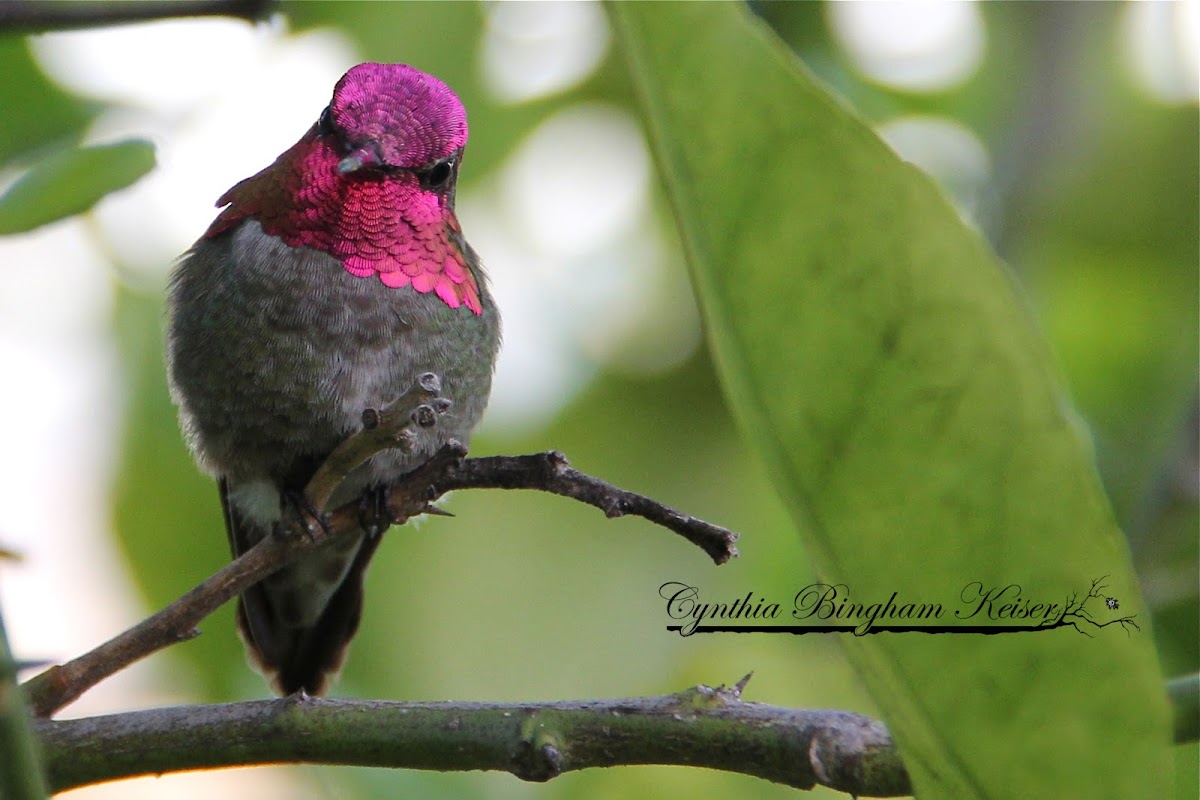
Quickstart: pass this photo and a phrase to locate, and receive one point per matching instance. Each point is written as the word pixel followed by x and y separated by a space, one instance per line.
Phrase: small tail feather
pixel 296 658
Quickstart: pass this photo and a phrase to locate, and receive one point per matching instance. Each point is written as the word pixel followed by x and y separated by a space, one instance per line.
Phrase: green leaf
pixel 889 373
pixel 71 182
pixel 52 114
pixel 21 776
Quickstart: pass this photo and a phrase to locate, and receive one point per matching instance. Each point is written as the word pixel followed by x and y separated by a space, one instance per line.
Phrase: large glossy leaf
pixel 72 181
pixel 891 377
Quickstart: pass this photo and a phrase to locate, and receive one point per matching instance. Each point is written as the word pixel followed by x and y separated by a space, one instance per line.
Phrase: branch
pixel 1184 693
pixel 391 427
pixel 699 727
pixel 549 472
pixel 59 686
pixel 37 16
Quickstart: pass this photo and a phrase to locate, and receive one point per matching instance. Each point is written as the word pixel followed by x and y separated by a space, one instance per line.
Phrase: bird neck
pixel 375 223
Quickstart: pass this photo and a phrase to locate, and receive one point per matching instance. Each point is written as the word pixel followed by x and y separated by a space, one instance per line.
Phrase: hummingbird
pixel 327 283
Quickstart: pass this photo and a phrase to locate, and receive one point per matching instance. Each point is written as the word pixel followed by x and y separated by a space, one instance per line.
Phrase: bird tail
pixel 297 624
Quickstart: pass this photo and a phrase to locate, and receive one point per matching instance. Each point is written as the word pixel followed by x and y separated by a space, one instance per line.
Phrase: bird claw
pixel 299 518
pixel 374 516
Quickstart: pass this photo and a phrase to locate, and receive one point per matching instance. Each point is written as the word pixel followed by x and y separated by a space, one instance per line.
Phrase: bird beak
pixel 364 156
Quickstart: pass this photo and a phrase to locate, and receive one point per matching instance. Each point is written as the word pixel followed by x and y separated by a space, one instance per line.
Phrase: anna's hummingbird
pixel 328 283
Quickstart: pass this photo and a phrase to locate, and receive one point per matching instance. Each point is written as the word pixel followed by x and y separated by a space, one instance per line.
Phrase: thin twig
pixel 61 685
pixel 699 727
pixel 411 496
pixel 549 472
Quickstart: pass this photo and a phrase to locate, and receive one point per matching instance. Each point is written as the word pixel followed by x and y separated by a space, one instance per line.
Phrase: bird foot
pixel 299 518
pixel 374 515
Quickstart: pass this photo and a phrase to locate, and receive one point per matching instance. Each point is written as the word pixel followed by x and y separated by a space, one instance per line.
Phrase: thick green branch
pixel 700 727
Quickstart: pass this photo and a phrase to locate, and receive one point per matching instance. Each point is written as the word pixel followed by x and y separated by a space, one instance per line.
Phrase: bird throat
pixel 381 225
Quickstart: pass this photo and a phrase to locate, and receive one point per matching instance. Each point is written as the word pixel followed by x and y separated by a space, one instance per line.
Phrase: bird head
pixel 372 183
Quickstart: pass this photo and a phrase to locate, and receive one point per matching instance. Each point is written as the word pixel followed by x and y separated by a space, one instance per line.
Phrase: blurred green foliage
pixel 39 116
pixel 70 182
pixel 20 770
pixel 530 597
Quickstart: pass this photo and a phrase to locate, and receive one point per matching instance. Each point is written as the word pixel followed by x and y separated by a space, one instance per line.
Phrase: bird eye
pixel 325 123
pixel 438 176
